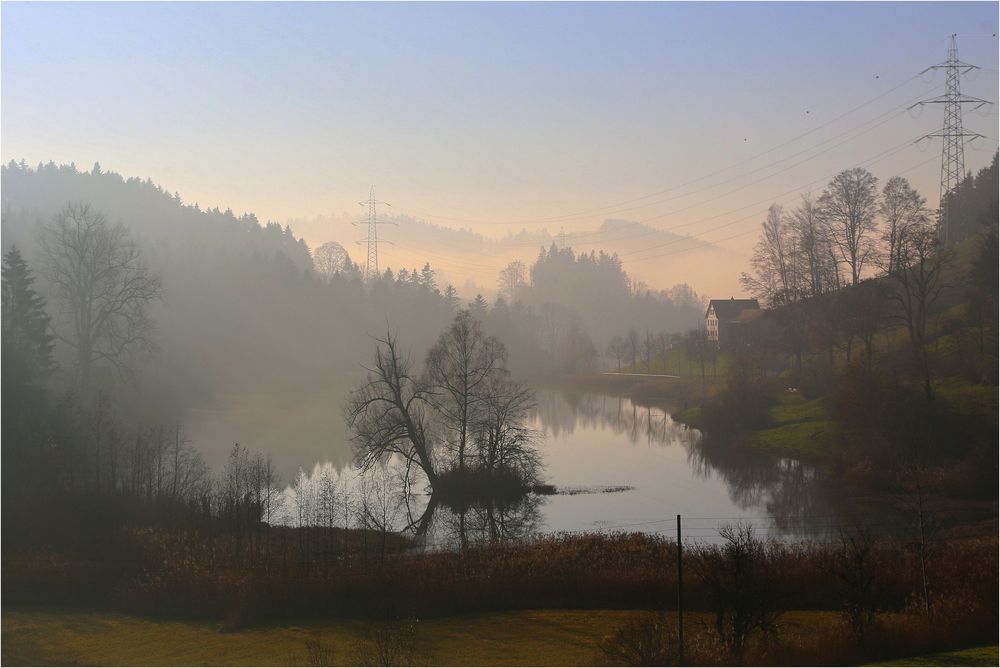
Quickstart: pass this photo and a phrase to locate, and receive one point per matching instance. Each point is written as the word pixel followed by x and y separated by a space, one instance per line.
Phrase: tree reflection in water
pixel 793 494
pixel 484 522
pixel 785 497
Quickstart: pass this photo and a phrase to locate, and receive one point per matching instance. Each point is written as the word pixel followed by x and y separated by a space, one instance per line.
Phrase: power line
pixel 870 161
pixel 657 193
pixel 878 121
pixel 952 135
pixel 371 264
pixel 883 118
pixel 706 244
pixel 702 243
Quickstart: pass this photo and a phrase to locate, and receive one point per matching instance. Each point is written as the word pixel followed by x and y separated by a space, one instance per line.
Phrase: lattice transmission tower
pixel 371 265
pixel 953 135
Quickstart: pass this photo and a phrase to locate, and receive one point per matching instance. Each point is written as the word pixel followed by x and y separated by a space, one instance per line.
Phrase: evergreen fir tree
pixel 27 344
pixel 451 297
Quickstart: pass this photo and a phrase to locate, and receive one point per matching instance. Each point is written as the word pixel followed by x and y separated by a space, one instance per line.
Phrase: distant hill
pixel 471 261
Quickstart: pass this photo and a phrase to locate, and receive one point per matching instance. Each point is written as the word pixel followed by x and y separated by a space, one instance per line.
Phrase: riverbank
pixel 797 427
pixel 673 394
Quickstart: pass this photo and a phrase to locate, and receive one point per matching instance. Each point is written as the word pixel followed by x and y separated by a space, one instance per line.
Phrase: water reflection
pixel 590 442
pixel 483 523
pixel 387 498
pixel 563 413
pixel 790 492
pixel 781 495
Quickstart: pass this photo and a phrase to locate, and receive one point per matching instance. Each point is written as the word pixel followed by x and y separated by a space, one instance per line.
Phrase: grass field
pixel 525 638
pixel 977 656
pixel 800 427
pixel 521 638
pixel 677 363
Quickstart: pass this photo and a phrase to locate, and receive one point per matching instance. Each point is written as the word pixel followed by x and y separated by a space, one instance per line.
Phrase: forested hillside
pixel 243 316
pixel 250 343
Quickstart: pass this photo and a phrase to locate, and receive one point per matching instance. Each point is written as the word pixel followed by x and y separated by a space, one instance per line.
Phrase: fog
pixel 655 313
pixel 253 345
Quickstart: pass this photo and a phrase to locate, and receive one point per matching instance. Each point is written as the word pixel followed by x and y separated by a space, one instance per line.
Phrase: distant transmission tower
pixel 953 136
pixel 371 265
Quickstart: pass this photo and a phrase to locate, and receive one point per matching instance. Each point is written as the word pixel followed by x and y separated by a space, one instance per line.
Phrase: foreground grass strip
pixel 976 656
pixel 544 637
pixel 522 638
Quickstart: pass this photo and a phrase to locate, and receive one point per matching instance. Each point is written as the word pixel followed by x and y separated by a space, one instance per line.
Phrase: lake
pixel 622 467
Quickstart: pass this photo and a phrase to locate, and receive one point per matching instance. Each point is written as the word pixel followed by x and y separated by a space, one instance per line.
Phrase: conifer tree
pixel 27 344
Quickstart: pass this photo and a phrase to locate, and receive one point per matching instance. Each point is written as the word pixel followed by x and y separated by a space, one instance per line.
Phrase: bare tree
pixel 698 344
pixel 188 475
pixel 305 513
pixel 330 259
pixel 917 285
pixel 392 643
pixel 740 579
pixel 848 207
pixel 815 266
pixel 388 413
pixel 102 286
pixel 903 210
pixel 634 345
pixel 503 439
pixel 513 278
pixel 863 314
pixel 458 368
pixel 648 640
pixel 855 571
pixel 648 349
pixel 618 349
pixel 380 503
pixel 773 279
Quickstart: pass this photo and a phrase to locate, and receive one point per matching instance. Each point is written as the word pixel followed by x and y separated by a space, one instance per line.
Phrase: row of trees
pixel 650 352
pixel 567 307
pixel 540 311
pixel 915 270
pixel 837 239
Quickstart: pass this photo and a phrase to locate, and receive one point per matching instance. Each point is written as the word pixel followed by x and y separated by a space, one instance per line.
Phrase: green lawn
pixel 967 398
pixel 677 363
pixel 802 427
pixel 976 656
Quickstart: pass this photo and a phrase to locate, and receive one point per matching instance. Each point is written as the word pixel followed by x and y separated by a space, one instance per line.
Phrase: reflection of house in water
pixel 724 318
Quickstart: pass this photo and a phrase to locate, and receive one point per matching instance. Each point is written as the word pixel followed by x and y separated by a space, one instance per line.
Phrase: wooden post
pixel 680 598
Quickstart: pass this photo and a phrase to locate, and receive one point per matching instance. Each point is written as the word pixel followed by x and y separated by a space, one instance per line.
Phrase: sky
pixel 494 116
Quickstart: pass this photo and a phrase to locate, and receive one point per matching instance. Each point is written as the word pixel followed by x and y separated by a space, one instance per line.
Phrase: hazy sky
pixel 479 114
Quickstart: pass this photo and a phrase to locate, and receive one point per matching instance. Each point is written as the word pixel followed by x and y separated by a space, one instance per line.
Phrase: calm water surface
pixel 623 467
pixel 592 443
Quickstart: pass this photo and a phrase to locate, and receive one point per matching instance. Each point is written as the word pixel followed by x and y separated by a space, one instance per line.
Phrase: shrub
pixel 648 640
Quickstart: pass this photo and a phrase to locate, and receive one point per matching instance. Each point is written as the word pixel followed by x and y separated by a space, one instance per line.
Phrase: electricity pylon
pixel 952 134
pixel 371 265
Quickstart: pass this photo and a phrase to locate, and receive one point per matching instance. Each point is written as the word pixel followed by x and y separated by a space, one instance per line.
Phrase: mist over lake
pixel 471 333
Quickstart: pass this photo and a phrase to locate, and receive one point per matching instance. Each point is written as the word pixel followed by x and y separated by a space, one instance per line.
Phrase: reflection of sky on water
pixel 592 442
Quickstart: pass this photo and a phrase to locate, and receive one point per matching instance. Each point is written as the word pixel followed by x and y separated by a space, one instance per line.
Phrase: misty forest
pixel 232 440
